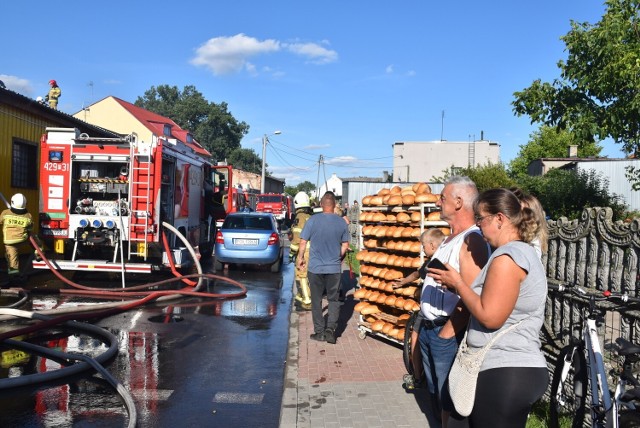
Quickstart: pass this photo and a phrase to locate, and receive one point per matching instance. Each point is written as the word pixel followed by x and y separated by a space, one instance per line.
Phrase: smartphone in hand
pixel 436 264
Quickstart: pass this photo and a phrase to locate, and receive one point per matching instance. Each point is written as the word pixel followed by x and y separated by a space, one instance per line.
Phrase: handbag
pixel 463 375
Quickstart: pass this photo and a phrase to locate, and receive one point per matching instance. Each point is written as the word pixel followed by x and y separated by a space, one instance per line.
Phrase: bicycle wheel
pixel 406 348
pixel 567 404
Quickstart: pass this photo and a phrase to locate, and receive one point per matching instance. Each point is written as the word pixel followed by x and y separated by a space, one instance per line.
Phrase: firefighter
pixel 53 95
pixel 16 224
pixel 303 212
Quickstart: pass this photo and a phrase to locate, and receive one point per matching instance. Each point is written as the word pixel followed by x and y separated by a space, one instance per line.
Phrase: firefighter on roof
pixel 53 95
pixel 303 212
pixel 16 223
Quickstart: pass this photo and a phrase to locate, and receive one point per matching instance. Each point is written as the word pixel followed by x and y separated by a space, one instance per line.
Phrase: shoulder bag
pixel 463 376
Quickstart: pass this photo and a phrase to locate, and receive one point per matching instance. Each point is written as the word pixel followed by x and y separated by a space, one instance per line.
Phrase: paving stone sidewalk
pixel 354 383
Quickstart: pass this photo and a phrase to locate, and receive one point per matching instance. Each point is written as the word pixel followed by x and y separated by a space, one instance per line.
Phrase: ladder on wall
pixel 472 154
pixel 140 197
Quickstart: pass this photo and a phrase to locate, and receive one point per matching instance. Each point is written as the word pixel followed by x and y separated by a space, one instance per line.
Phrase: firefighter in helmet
pixel 16 224
pixel 303 212
pixel 53 95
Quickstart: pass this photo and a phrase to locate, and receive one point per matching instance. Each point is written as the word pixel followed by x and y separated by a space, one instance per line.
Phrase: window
pixel 24 160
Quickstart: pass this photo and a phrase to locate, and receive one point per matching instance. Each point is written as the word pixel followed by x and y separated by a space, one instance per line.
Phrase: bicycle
pixel 580 365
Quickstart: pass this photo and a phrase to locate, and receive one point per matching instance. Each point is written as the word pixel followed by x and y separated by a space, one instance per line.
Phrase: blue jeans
pixel 437 357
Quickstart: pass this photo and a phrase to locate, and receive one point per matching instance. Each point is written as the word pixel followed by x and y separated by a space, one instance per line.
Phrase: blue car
pixel 249 238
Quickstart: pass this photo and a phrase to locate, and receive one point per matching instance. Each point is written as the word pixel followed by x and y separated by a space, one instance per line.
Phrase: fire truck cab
pixel 229 197
pixel 274 203
pixel 103 201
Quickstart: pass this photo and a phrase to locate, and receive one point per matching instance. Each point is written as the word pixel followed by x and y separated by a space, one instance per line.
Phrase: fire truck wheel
pixel 217 265
pixel 275 268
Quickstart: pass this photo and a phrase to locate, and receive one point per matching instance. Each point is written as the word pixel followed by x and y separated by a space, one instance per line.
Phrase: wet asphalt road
pixel 194 363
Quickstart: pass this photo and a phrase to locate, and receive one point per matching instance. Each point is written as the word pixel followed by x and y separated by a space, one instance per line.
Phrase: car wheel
pixel 217 265
pixel 275 268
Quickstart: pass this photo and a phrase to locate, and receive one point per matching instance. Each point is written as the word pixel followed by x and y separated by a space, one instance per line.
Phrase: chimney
pixel 385 176
pixel 573 151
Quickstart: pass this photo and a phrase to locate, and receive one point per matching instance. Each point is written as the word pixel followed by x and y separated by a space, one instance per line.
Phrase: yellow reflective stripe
pixel 18 221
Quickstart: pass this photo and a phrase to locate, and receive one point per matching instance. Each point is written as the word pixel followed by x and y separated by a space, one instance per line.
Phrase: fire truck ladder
pixel 140 198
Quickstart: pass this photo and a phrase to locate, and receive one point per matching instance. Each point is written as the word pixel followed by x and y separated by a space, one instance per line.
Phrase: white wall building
pixel 333 184
pixel 415 161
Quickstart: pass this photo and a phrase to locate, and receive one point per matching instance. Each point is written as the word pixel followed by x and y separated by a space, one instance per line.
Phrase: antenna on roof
pixel 442 127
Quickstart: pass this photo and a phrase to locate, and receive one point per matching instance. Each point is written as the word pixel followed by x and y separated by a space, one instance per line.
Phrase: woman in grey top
pixel 511 288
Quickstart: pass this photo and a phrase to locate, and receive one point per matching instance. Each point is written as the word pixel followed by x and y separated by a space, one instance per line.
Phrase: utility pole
pixel 265 140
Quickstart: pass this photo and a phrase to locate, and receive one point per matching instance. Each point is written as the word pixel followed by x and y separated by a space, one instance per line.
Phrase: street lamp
pixel 265 139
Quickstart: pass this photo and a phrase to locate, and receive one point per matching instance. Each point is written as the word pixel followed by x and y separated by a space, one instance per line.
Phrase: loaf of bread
pixel 387 327
pixel 390 300
pixel 426 198
pixel 403 217
pixel 370 309
pixel 395 200
pixel 377 326
pixel 359 293
pixel 433 216
pixel 408 199
pixel 359 306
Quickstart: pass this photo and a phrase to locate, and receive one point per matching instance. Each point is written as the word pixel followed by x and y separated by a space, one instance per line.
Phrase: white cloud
pixel 227 55
pixel 316 53
pixel 16 84
pixel 316 146
pixel 343 160
pixel 389 69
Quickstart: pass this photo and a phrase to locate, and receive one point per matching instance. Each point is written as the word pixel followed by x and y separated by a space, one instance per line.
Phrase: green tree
pixel 565 193
pixel 598 93
pixel 246 160
pixel 305 186
pixel 486 176
pixel 211 124
pixel 548 142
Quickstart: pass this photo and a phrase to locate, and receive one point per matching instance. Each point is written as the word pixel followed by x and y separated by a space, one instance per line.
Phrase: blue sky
pixel 341 79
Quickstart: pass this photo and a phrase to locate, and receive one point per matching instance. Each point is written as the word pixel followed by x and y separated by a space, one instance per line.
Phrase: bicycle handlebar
pixel 606 295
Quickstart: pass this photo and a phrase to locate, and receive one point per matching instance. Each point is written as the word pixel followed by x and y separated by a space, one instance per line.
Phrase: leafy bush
pixel 565 193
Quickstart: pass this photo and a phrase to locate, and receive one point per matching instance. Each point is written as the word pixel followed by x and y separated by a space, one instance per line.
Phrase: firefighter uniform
pixel 16 224
pixel 53 95
pixel 304 294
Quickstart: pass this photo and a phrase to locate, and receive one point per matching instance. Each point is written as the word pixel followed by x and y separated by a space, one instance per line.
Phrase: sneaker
pixel 330 335
pixel 318 336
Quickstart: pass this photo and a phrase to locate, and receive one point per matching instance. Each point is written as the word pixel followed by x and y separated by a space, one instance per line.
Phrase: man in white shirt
pixel 445 318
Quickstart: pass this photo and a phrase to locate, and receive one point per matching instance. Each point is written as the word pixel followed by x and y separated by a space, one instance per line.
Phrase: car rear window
pixel 253 223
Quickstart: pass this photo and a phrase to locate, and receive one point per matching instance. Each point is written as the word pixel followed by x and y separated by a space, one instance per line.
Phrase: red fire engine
pixel 103 201
pixel 276 204
pixel 229 197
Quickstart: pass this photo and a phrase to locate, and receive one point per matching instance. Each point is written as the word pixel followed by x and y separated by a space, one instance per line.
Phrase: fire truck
pixel 276 204
pixel 228 196
pixel 104 201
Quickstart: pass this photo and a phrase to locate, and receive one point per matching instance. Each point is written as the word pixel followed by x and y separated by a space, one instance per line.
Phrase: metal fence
pixel 596 254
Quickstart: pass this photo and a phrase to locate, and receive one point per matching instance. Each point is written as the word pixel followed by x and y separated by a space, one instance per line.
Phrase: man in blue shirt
pixel 330 237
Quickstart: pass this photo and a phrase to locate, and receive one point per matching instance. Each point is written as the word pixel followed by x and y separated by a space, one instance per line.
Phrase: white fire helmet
pixel 301 200
pixel 18 201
